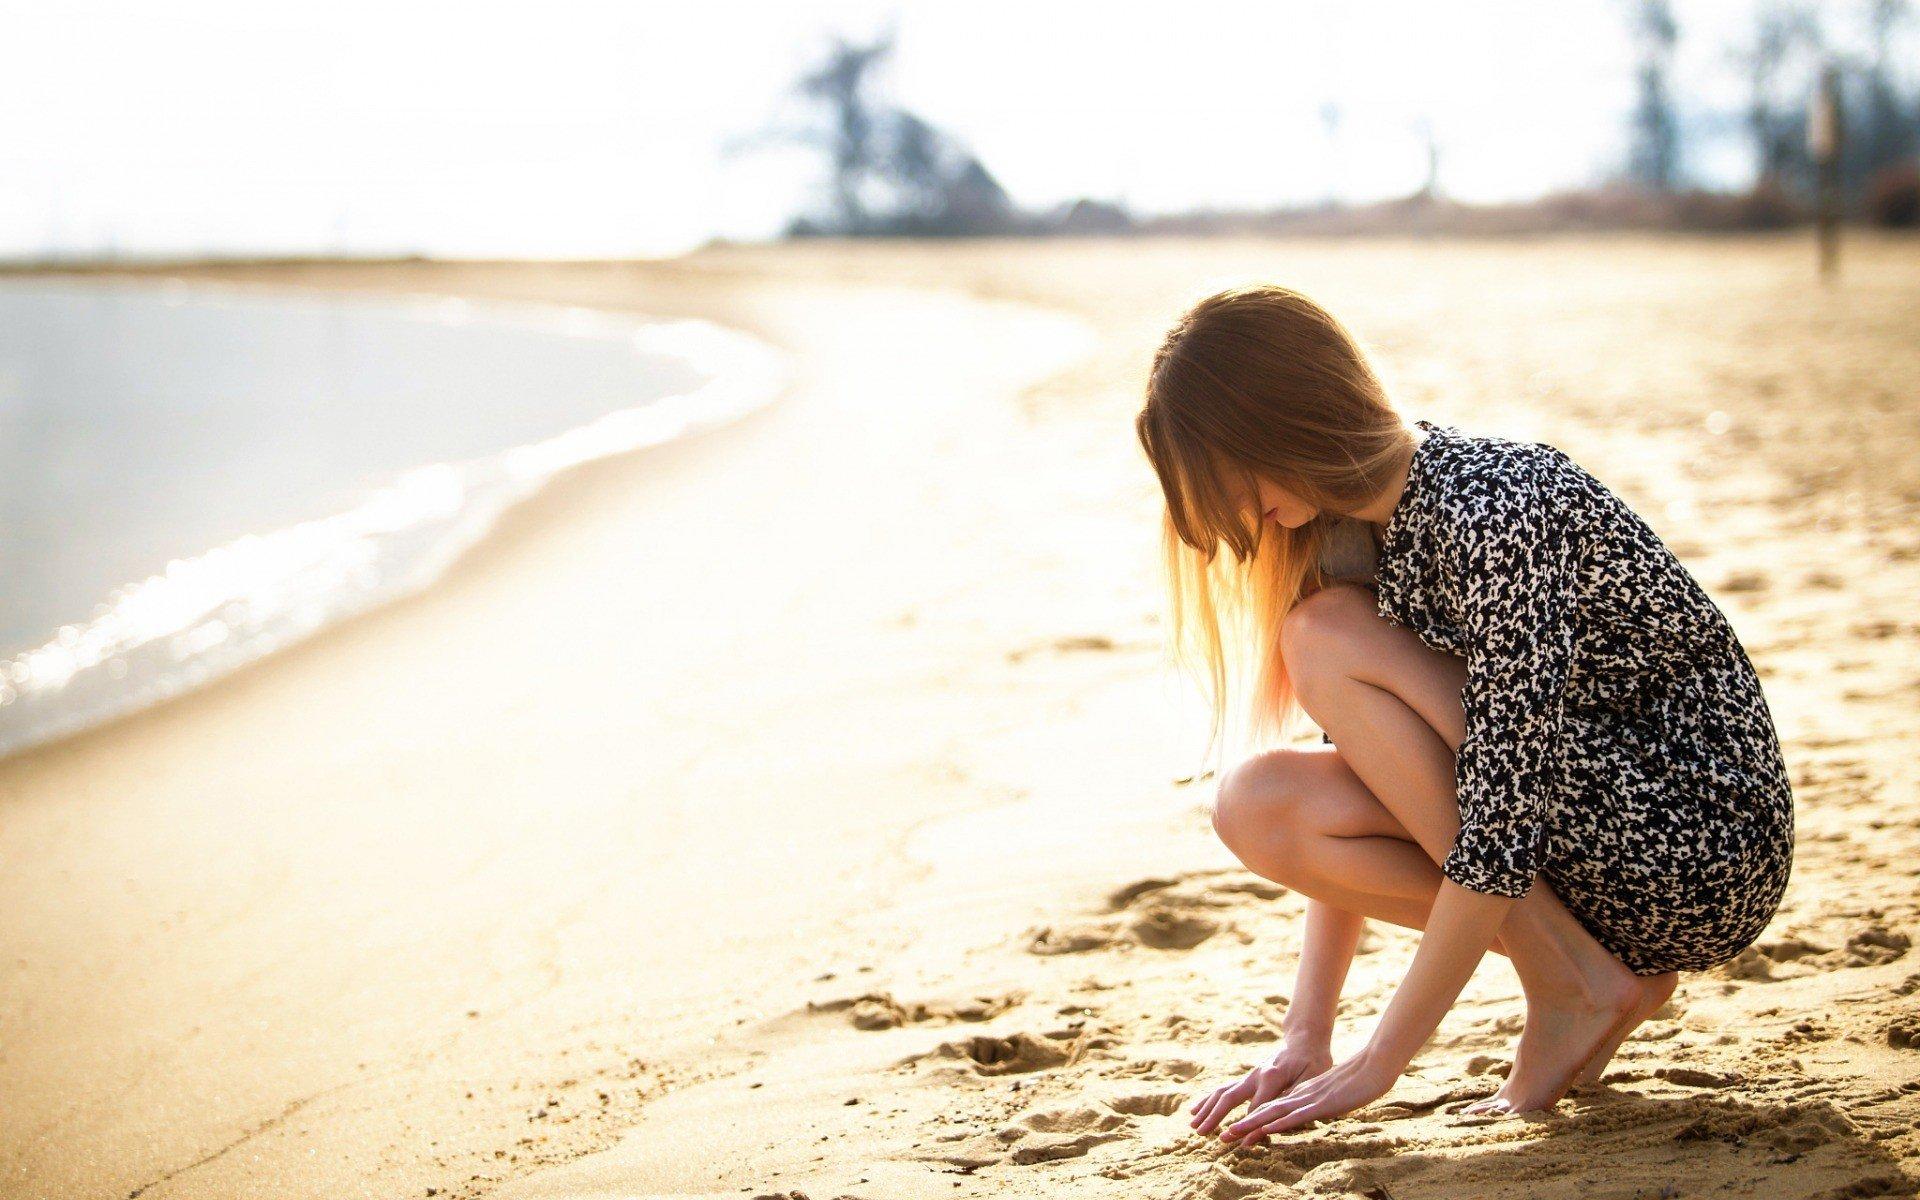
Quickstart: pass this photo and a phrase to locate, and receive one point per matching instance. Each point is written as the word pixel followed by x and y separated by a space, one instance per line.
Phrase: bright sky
pixel 576 128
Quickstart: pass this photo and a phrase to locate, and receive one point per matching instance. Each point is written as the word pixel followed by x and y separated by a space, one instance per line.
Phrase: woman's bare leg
pixel 1302 818
pixel 1363 828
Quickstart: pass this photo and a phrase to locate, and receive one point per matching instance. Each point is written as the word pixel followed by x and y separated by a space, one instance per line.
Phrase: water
pixel 192 477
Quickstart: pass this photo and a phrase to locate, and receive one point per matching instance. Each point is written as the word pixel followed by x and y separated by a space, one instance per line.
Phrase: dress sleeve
pixel 1514 562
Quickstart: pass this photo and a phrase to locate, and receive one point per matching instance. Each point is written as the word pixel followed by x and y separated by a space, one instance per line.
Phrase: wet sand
pixel 796 809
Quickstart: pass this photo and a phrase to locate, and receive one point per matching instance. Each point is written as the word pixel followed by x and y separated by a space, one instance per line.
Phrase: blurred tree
pixel 841 83
pixel 937 186
pixel 1781 30
pixel 1887 120
pixel 1653 161
pixel 892 172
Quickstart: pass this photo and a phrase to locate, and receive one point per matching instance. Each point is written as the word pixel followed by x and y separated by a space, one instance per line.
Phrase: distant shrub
pixel 1893 196
pixel 1766 206
pixel 1610 206
pixel 1093 216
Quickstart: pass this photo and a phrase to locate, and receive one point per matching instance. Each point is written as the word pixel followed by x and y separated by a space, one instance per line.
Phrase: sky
pixel 572 128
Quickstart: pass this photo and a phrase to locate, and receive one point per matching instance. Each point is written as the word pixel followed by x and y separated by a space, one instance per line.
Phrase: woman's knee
pixel 1319 631
pixel 1262 808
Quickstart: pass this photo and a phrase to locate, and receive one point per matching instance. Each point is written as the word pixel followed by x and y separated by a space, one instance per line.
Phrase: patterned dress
pixel 1617 745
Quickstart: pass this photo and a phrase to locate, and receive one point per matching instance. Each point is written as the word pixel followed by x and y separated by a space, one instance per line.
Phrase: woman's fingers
pixel 1292 1118
pixel 1223 1108
pixel 1205 1112
pixel 1323 1098
pixel 1223 1101
pixel 1258 1121
pixel 1288 1081
pixel 1261 1095
pixel 1205 1097
pixel 1271 1118
pixel 1199 1110
pixel 1253 1091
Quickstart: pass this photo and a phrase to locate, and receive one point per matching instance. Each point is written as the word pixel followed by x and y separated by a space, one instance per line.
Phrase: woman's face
pixel 1277 504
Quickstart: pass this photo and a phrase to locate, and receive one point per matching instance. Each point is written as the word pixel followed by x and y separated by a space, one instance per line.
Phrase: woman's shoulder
pixel 1491 486
pixel 1471 496
pixel 1472 474
pixel 1481 454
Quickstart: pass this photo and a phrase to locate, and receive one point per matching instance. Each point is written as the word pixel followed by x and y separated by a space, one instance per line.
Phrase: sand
pixel 798 810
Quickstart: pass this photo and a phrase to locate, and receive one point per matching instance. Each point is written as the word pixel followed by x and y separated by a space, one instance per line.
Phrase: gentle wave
pixel 205 616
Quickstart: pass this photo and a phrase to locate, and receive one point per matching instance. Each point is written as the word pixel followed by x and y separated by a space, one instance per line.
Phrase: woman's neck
pixel 1379 510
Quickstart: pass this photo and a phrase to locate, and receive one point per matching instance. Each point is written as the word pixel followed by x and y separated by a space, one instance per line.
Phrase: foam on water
pixel 205 615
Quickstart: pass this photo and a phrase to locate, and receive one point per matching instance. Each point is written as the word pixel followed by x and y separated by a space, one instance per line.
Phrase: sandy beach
pixel 804 809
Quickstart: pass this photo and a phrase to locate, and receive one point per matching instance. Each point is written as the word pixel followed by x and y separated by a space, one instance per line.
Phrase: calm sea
pixel 193 477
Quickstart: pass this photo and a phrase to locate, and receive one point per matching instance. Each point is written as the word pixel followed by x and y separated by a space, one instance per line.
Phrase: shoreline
pixel 114 664
pixel 838 850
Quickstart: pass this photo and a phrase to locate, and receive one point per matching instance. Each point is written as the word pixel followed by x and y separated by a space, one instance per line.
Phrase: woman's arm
pixel 1306 1045
pixel 1333 934
pixel 1460 929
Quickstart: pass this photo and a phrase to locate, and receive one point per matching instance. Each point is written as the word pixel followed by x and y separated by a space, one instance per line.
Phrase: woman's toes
pixel 1496 1105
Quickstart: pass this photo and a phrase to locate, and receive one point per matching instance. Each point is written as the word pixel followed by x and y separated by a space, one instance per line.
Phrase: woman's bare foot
pixel 1654 990
pixel 1565 1032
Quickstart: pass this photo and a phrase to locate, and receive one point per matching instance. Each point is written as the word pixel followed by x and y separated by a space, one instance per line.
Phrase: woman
pixel 1540 735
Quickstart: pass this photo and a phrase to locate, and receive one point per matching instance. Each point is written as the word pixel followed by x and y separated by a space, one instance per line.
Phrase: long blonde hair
pixel 1257 381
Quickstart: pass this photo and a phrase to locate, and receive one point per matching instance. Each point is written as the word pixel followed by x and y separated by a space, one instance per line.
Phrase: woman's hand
pixel 1307 1032
pixel 1460 927
pixel 1355 1083
pixel 1298 1059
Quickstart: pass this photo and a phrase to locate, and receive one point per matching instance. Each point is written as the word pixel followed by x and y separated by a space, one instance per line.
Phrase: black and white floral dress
pixel 1618 745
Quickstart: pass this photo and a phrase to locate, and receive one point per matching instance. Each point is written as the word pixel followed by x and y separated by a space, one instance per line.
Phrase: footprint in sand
pixel 1177 913
pixel 1349 1177
pixel 1338 1154
pixel 1149 1104
pixel 1155 926
pixel 1871 946
pixel 1163 927
pixel 1095 643
pixel 1179 1070
pixel 1693 1077
pixel 1199 890
pixel 1875 945
pixel 1793 1128
pixel 1041 1136
pixel 1238 1180
pixel 1071 939
pixel 1050 1135
pixel 880 1010
pixel 1246 1035
pixel 1014 1054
